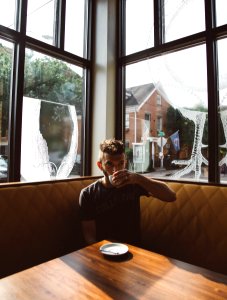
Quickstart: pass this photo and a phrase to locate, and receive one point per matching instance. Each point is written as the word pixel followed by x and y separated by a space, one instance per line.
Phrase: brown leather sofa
pixel 192 229
pixel 40 221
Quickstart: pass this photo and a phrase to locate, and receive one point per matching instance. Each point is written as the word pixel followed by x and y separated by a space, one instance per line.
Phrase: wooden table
pixel 88 274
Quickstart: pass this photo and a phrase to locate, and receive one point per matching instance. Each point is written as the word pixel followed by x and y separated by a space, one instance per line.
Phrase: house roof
pixel 136 95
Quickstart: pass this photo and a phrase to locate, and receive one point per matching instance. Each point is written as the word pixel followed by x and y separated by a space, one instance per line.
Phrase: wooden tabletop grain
pixel 88 274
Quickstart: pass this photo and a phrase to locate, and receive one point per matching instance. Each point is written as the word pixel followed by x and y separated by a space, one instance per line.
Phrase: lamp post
pixel 161 143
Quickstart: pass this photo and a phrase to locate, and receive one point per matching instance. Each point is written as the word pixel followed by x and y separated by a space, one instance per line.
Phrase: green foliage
pixel 53 80
pixel 175 121
pixel 44 78
pixel 129 154
pixel 186 127
pixel 5 78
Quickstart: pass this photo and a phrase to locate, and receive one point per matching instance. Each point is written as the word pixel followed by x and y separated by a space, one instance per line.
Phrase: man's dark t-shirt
pixel 116 211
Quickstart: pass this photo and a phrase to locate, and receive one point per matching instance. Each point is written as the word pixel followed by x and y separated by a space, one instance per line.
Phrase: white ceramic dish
pixel 114 249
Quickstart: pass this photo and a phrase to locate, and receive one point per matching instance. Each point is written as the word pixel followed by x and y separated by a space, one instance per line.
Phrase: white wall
pixel 104 77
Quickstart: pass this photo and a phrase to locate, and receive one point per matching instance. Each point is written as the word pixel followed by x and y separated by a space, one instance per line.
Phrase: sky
pixel 182 74
pixel 41 18
pixel 175 72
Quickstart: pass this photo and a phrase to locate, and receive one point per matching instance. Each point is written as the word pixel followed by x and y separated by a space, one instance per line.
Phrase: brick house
pixel 145 119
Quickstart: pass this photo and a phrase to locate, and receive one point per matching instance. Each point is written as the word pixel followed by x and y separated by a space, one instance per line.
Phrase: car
pixel 3 166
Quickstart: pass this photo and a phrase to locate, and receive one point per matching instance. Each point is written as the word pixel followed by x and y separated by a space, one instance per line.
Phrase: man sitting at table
pixel 110 207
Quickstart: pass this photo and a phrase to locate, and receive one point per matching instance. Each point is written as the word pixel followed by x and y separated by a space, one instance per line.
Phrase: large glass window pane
pixel 174 92
pixel 139 25
pixel 183 18
pixel 74 27
pixel 52 116
pixel 222 76
pixel 221 16
pixel 41 20
pixel 6 56
pixel 7 13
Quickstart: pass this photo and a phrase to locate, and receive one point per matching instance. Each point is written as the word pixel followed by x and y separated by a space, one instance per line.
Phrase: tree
pixel 50 79
pixel 175 121
pixel 44 78
pixel 186 127
pixel 5 78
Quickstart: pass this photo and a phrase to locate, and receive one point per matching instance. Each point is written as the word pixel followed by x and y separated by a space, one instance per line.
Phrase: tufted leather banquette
pixel 192 229
pixel 40 221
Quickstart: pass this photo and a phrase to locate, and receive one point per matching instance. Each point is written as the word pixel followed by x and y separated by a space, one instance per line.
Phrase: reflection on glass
pixel 41 20
pixel 139 25
pixel 74 27
pixel 49 149
pixel 221 16
pixel 52 105
pixel 172 90
pixel 7 13
pixel 222 76
pixel 6 56
pixel 183 18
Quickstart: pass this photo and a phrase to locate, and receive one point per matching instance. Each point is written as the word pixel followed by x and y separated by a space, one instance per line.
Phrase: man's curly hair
pixel 112 147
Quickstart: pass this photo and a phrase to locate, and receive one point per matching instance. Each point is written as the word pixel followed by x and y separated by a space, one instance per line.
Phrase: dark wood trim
pixel 158 22
pixel 177 45
pixel 21 41
pixel 15 109
pixel 120 70
pixel 208 38
pixel 86 153
pixel 213 101
pixel 60 24
pixel 56 52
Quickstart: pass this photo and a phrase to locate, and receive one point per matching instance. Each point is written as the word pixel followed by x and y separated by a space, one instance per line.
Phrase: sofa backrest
pixel 38 222
pixel 192 229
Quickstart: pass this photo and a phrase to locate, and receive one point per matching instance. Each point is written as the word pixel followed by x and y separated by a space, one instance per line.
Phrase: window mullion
pixel 213 101
pixel 158 22
pixel 59 33
pixel 15 120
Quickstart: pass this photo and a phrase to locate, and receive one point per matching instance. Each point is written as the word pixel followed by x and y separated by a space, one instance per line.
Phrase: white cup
pixel 111 179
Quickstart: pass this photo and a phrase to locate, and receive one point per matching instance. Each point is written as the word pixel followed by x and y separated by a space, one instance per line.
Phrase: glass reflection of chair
pixel 223 115
pixel 196 160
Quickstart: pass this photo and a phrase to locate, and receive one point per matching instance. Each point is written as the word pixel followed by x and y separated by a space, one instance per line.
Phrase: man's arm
pixel 89 231
pixel 154 187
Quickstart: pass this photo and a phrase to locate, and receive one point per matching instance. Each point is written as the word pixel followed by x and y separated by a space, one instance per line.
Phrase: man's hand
pixel 123 177
pixel 154 187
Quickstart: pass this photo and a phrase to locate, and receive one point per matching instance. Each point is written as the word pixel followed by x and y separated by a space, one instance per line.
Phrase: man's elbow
pixel 171 197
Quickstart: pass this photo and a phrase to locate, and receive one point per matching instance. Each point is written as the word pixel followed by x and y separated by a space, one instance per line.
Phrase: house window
pixel 43 81
pixel 159 123
pixel 126 121
pixel 159 100
pixel 189 84
pixel 147 123
pixel 147 117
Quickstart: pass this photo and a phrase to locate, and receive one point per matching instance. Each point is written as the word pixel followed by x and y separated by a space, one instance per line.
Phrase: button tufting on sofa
pixel 40 221
pixel 192 229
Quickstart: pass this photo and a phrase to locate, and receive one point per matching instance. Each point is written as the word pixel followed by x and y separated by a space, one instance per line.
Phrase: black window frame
pixel 208 37
pixel 22 41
